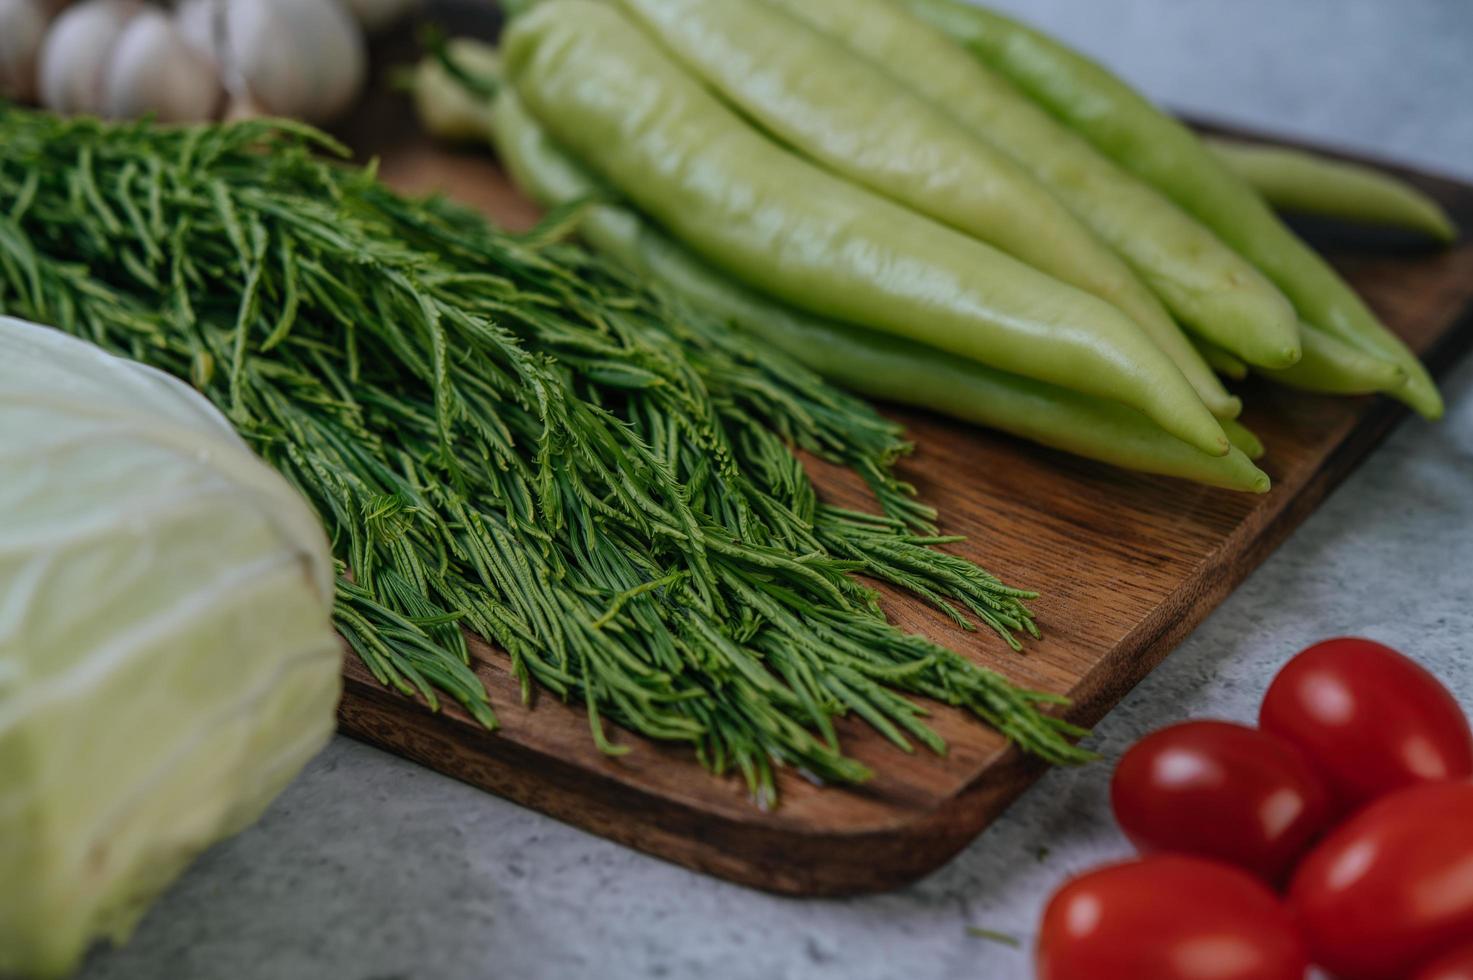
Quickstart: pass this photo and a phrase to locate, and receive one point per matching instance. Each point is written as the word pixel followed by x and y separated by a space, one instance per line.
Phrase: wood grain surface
pixel 1127 564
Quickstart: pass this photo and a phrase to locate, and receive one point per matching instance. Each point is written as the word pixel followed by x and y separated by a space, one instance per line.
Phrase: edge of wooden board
pixel 787 859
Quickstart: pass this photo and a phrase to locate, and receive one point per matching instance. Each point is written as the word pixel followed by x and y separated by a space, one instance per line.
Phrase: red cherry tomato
pixel 1168 917
pixel 1370 720
pixel 1220 791
pixel 1457 965
pixel 1392 886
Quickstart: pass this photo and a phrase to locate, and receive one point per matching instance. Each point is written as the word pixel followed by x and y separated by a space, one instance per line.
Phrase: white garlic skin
pixel 305 59
pixel 199 23
pixel 75 54
pixel 301 58
pixel 153 70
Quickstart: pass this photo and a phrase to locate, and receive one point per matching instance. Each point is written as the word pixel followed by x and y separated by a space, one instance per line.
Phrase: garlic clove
pixel 154 70
pixel 22 26
pixel 260 57
pixel 300 58
pixel 200 23
pixel 76 52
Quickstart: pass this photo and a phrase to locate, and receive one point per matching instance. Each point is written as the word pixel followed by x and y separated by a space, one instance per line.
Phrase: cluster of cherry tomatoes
pixel 1338 832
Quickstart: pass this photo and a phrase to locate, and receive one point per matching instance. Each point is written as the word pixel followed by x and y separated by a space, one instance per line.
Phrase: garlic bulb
pixel 153 70
pixel 22 25
pixel 299 58
pixel 123 58
pixel 75 55
pixel 377 14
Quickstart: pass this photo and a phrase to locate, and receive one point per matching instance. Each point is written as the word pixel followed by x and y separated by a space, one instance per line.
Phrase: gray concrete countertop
pixel 371 868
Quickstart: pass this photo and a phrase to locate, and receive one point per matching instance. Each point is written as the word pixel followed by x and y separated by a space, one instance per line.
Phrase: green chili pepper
pixel 1333 367
pixel 816 96
pixel 1225 364
pixel 764 215
pixel 1163 152
pixel 866 361
pixel 457 107
pixel 1244 439
pixel 890 368
pixel 1295 180
pixel 1329 366
pixel 1209 288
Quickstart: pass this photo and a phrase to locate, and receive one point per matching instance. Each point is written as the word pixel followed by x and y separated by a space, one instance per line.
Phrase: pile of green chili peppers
pixel 932 204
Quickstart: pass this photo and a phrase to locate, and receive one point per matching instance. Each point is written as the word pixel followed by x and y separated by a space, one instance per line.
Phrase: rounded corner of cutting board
pixel 820 841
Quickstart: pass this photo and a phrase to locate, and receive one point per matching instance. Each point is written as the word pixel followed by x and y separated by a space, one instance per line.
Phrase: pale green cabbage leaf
pixel 167 660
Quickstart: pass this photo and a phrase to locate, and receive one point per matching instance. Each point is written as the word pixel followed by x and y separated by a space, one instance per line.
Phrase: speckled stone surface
pixel 370 868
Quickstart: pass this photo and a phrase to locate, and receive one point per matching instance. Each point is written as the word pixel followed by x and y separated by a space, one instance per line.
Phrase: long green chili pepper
pixel 862 360
pixel 1244 439
pixel 1331 366
pixel 507 436
pixel 1226 364
pixel 766 216
pixel 1161 151
pixel 1208 287
pixel 1295 180
pixel 816 96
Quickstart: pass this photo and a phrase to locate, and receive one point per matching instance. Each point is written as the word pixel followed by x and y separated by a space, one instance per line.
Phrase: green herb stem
pixel 507 436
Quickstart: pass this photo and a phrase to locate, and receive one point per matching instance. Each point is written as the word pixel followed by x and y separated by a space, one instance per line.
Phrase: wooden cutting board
pixel 1127 564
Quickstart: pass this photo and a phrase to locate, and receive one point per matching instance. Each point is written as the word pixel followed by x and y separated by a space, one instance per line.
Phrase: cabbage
pixel 167 661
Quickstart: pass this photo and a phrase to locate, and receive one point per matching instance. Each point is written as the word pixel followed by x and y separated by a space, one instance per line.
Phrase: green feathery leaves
pixel 506 436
